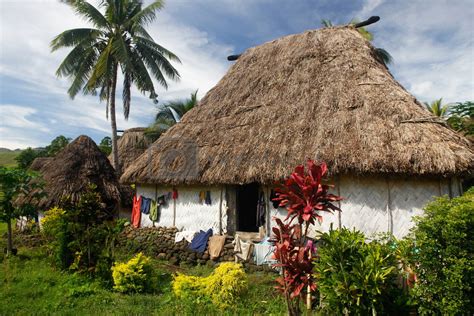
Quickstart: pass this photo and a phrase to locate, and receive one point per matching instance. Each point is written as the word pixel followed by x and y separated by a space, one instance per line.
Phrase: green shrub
pixel 354 276
pixel 445 263
pixel 55 229
pixel 222 287
pixel 134 276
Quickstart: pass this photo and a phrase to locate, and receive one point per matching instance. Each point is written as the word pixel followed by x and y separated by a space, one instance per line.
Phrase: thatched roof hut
pixel 73 169
pixel 39 163
pixel 322 94
pixel 131 145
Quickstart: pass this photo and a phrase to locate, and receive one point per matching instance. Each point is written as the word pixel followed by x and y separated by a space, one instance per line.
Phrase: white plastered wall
pixel 375 205
pixel 190 213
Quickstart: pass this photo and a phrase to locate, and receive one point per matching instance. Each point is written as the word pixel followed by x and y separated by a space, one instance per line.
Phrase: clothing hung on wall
pixel 261 209
pixel 273 195
pixel 145 207
pixel 242 249
pixel 263 252
pixel 188 235
pixel 216 244
pixel 199 242
pixel 174 195
pixel 154 209
pixel 202 196
pixel 208 198
pixel 136 213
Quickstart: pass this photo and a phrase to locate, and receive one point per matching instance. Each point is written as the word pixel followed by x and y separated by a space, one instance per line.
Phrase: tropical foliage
pixel 134 276
pixel 356 277
pixel 169 114
pixel 461 117
pixel 15 183
pixel 444 257
pixel 305 198
pixel 437 108
pixel 80 235
pixel 105 145
pixel 116 40
pixel 222 287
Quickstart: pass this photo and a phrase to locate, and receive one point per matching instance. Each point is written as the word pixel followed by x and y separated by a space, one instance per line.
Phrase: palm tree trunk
pixel 113 122
pixel 9 237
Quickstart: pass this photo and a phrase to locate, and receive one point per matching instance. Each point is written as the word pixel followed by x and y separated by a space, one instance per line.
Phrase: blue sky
pixel 432 43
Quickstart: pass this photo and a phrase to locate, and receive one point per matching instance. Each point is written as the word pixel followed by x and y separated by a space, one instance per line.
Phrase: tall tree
pixel 461 117
pixel 437 108
pixel 169 114
pixel 117 40
pixel 13 184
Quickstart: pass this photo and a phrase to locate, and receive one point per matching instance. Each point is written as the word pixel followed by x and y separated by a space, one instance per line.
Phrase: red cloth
pixel 136 214
pixel 175 194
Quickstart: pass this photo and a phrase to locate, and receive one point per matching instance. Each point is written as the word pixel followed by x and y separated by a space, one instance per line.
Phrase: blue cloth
pixel 145 206
pixel 199 242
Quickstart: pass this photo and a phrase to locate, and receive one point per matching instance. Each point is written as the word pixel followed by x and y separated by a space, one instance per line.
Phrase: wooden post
pixel 389 208
pixel 174 212
pixel 220 213
pixel 339 215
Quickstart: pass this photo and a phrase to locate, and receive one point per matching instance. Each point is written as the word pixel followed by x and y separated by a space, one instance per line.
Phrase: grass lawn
pixel 7 159
pixel 30 285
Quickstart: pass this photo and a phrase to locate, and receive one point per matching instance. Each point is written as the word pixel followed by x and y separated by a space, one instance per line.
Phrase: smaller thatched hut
pixel 39 163
pixel 72 170
pixel 130 146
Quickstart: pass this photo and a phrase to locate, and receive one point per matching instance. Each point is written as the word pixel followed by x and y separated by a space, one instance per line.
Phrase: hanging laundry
pixel 188 235
pixel 261 210
pixel 208 198
pixel 145 207
pixel 136 214
pixel 154 211
pixel 202 196
pixel 169 195
pixel 216 244
pixel 242 249
pixel 199 241
pixel 273 195
pixel 263 252
pixel 175 194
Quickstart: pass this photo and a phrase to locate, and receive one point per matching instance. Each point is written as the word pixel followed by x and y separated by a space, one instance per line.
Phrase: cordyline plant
pixel 305 198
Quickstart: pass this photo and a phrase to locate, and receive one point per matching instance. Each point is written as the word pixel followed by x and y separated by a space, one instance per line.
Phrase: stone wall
pixel 159 243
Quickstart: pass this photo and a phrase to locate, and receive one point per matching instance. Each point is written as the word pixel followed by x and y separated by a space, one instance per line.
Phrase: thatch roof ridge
pixel 131 145
pixel 321 94
pixel 73 169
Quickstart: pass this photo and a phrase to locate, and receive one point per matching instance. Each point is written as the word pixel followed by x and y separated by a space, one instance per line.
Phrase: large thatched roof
pixel 73 169
pixel 131 145
pixel 320 94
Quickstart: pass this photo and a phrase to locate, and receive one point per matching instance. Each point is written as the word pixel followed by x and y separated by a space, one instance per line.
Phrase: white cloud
pixel 432 43
pixel 26 58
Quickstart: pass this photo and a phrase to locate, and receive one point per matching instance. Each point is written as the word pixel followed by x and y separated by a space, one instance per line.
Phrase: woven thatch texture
pixel 320 94
pixel 130 146
pixel 71 171
pixel 39 163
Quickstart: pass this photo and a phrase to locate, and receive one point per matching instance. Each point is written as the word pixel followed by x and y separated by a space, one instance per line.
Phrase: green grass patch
pixel 7 158
pixel 30 285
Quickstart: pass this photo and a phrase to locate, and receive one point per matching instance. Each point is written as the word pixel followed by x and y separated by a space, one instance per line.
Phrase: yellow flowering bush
pixel 52 220
pixel 222 287
pixel 134 276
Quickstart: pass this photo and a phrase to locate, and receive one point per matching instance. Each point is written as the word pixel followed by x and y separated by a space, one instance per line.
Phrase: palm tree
pixel 169 114
pixel 326 23
pixel 118 39
pixel 437 108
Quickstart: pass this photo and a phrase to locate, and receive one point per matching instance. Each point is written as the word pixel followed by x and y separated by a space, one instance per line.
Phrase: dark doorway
pixel 247 199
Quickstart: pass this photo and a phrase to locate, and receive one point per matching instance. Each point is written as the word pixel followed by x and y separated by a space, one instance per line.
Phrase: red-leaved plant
pixel 305 198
